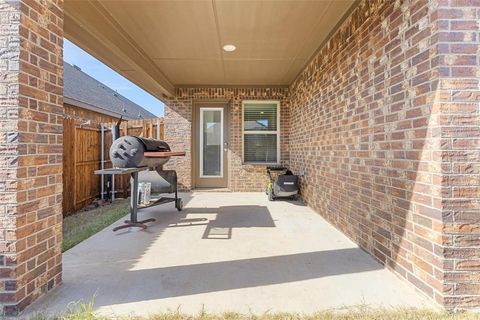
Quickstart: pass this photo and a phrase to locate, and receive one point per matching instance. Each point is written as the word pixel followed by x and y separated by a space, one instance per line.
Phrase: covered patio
pixel 226 252
pixel 374 104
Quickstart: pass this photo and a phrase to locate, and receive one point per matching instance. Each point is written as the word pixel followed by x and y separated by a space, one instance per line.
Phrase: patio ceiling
pixel 161 45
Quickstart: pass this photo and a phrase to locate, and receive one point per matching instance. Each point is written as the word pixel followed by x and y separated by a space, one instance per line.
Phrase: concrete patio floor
pixel 226 252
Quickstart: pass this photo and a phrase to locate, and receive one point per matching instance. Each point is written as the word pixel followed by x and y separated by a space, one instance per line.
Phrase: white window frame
pixel 201 142
pixel 244 102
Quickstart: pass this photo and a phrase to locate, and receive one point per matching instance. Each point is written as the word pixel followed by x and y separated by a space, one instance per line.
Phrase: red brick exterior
pixel 385 122
pixel 457 105
pixel 364 131
pixel 31 38
pixel 178 132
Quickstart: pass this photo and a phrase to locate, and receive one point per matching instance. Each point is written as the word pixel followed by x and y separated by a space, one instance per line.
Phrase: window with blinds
pixel 261 132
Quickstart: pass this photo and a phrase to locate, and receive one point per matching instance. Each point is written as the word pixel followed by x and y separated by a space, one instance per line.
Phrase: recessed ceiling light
pixel 229 47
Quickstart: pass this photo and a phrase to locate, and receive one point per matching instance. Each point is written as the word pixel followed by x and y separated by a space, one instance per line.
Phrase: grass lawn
pixel 84 224
pixel 349 315
pixel 84 312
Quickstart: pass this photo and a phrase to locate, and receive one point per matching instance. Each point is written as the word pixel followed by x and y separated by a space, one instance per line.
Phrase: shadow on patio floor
pixel 226 219
pixel 247 273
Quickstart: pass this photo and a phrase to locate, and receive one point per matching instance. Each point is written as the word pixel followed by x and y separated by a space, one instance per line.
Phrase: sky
pixel 96 69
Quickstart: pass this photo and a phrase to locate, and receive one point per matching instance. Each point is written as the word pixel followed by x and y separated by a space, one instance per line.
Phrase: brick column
pixel 31 106
pixel 458 105
pixel 177 132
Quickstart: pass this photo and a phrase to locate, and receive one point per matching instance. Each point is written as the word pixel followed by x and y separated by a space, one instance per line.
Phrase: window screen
pixel 260 132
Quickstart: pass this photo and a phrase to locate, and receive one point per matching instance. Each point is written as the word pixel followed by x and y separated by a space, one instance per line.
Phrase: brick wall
pixel 385 122
pixel 31 142
pixel 178 129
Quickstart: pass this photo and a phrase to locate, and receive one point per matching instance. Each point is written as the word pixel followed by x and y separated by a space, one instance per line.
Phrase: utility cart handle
pixel 276 168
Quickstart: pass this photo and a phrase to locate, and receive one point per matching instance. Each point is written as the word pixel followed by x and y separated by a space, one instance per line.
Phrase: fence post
pixel 114 137
pixel 102 159
pixel 69 186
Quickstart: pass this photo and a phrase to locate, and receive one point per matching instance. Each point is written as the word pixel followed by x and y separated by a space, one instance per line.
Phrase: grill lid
pixel 152 145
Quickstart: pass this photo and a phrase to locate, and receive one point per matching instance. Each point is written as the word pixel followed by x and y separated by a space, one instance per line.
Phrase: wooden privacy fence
pixel 82 156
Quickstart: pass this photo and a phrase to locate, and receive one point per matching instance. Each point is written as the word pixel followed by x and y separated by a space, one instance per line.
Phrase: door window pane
pixel 211 135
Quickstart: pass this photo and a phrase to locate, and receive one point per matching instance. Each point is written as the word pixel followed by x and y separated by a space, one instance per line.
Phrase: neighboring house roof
pixel 256 125
pixel 81 90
